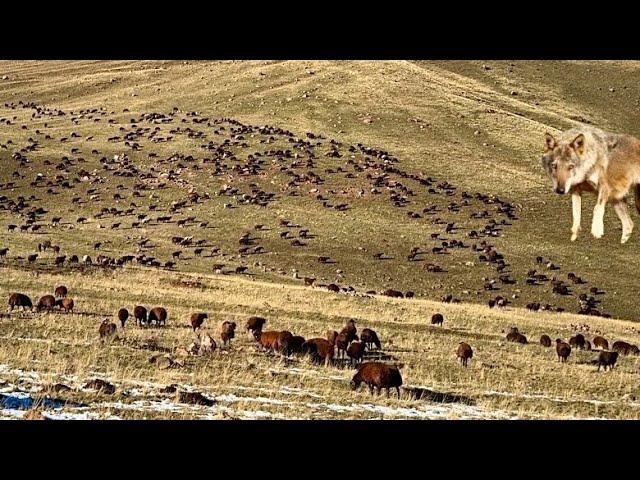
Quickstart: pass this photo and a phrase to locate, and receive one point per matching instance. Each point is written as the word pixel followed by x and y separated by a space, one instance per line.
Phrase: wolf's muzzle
pixel 560 190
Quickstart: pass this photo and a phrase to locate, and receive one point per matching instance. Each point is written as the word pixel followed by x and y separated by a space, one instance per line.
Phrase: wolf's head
pixel 564 162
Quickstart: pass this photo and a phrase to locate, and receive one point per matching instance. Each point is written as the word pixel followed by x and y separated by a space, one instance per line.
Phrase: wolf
pixel 587 159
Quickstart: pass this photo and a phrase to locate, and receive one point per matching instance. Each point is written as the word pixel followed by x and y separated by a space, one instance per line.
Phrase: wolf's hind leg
pixel 576 203
pixel 627 224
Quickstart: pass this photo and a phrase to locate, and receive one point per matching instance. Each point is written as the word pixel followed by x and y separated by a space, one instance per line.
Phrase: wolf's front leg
pixel 597 225
pixel 627 224
pixel 576 203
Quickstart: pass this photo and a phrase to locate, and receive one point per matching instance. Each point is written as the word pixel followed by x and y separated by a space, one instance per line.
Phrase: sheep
pixel 577 341
pixel 355 352
pixel 515 336
pixel 255 324
pixel 563 350
pixel 331 336
pixel 123 315
pixel 437 319
pixel 601 343
pixel 19 300
pixel 545 341
pixel 46 302
pixel 624 348
pixel 107 330
pixel 377 375
pixel 61 291
pixel 342 343
pixel 266 339
pixel 370 337
pixel 350 331
pixel 281 345
pixel 228 331
pixel 197 319
pixel 319 349
pixel 295 344
pixel 65 304
pixel 158 315
pixel 140 314
pixel 607 359
pixel 390 292
pixel 464 353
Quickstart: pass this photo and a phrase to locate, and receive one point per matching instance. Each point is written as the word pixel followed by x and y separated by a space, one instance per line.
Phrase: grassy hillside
pixel 453 142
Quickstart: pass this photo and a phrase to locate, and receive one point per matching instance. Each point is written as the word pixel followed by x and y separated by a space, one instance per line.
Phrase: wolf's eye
pixel 554 166
pixel 570 167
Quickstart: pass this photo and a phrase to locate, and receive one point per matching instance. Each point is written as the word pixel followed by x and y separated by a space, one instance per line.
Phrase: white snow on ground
pixel 558 399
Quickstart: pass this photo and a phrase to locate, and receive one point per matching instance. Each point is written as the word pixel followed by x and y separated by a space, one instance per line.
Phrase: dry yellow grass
pixel 505 380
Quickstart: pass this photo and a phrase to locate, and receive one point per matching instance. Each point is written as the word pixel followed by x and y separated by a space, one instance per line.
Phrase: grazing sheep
pixel 61 291
pixel 266 339
pixel 65 304
pixel 607 359
pixel 390 292
pixel 197 319
pixel 545 341
pixel 624 348
pixel 228 331
pixel 464 353
pixel 601 343
pixel 123 315
pixel 158 315
pixel 282 343
pixel 342 343
pixel 107 330
pixel 515 336
pixel 255 324
pixel 437 319
pixel 370 337
pixel 331 336
pixel 577 341
pixel 355 352
pixel 320 350
pixel 140 314
pixel 19 300
pixel 46 302
pixel 377 375
pixel 563 350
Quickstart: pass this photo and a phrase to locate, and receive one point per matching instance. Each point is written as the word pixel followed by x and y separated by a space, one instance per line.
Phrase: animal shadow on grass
pixel 418 393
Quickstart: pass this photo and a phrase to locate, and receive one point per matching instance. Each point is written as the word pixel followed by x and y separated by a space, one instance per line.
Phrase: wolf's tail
pixel 638 197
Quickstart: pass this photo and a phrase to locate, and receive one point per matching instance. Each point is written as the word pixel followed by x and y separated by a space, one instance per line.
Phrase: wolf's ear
pixel 550 141
pixel 578 144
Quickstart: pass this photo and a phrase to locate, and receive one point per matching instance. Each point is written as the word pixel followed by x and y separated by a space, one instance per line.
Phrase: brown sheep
pixel 19 300
pixel 255 324
pixel 197 319
pixel 355 352
pixel 331 336
pixel 140 314
pixel 319 349
pixel 158 315
pixel 624 348
pixel 464 353
pixel 342 343
pixel 281 345
pixel 65 304
pixel 123 315
pixel 266 339
pixel 437 319
pixel 545 341
pixel 370 337
pixel 577 341
pixel 107 330
pixel 601 343
pixel 377 375
pixel 295 345
pixel 227 332
pixel 61 291
pixel 515 336
pixel 46 303
pixel 563 350
pixel 607 359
